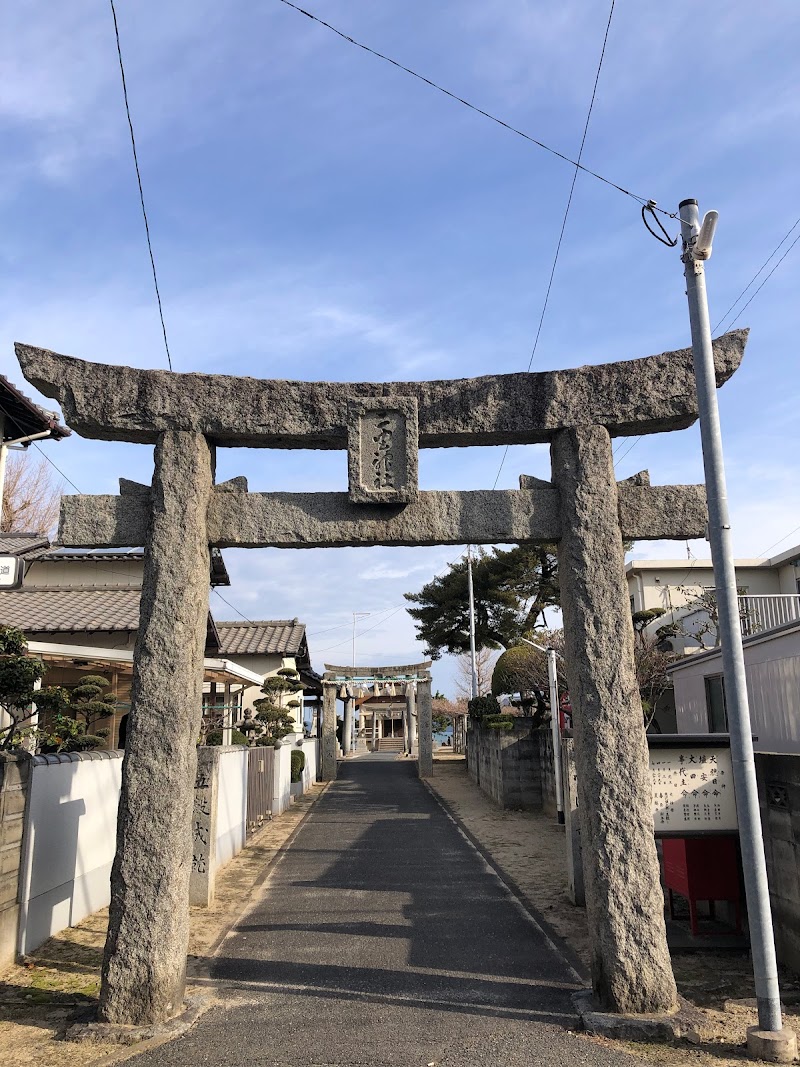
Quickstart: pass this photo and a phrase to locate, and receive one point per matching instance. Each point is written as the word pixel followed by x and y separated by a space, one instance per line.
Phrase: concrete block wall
pixel 544 736
pixel 506 765
pixel 14 780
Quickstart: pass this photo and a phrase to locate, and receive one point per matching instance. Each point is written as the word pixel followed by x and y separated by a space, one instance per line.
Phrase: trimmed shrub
pixel 214 737
pixel 480 707
pixel 499 722
pixel 298 759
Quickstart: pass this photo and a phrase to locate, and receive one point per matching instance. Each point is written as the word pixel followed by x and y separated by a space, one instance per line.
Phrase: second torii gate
pixel 583 509
pixel 416 678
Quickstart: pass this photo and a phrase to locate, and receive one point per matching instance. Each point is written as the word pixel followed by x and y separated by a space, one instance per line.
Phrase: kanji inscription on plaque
pixel 692 790
pixel 382 445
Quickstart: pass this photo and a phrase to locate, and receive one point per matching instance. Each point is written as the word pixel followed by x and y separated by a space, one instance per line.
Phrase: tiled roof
pixel 65 610
pixel 20 544
pixel 279 636
pixel 24 417
pixel 70 610
pixel 59 555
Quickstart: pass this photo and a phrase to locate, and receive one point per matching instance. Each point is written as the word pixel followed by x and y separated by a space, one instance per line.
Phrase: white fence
pixel 766 612
pixel 231 804
pixel 69 842
pixel 70 832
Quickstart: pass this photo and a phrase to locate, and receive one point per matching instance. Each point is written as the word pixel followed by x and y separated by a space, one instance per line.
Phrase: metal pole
pixel 555 726
pixel 719 534
pixel 472 656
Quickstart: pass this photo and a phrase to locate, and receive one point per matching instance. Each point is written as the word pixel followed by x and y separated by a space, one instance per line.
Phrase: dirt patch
pixel 58 984
pixel 530 850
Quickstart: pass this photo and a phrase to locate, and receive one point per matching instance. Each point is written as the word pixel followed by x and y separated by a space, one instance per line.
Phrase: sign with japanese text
pixel 693 790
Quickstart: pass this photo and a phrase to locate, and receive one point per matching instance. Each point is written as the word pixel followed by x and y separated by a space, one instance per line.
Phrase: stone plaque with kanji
pixel 382 447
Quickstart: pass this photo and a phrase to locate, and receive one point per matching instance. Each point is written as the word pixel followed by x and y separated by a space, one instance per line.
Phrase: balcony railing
pixel 761 613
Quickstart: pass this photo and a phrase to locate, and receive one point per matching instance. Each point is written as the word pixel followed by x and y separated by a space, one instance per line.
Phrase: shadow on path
pixel 383 937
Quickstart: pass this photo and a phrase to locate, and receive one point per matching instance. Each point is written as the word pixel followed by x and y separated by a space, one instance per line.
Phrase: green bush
pixel 480 707
pixel 499 722
pixel 298 759
pixel 214 737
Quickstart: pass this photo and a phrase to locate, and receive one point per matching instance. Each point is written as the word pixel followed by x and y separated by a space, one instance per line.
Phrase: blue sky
pixel 318 214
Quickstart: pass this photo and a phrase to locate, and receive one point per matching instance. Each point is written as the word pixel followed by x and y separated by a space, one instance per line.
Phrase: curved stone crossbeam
pixel 638 396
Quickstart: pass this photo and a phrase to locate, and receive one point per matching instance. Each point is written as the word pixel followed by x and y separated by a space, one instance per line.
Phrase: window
pixel 715 704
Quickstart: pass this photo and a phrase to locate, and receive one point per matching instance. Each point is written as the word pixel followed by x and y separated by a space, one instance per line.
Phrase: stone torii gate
pixel 177 518
pixel 417 679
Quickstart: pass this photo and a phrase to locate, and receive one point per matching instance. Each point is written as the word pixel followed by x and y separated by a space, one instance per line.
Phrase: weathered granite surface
pixel 145 957
pixel 425 727
pixel 383 450
pixel 637 396
pixel 328 769
pixel 631 970
pixel 313 520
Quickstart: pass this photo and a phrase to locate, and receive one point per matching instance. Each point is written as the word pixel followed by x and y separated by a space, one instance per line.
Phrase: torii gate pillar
pixel 145 963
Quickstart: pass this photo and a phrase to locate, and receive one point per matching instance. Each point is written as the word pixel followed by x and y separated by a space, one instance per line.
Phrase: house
pixel 770 614
pixel 769 588
pixel 266 646
pixel 79 611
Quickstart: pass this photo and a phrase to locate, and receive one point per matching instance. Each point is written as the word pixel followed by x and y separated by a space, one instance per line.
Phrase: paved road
pixel 383 938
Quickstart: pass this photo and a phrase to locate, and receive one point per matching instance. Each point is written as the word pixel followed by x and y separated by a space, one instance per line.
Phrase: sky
pixel 318 214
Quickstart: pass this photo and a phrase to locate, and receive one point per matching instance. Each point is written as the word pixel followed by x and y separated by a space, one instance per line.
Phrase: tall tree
pixel 31 495
pixel 484 664
pixel 513 588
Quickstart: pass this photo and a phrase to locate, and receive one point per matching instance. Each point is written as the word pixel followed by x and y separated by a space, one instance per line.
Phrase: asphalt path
pixel 382 937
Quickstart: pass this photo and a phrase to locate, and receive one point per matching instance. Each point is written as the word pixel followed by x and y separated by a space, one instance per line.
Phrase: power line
pixel 630 448
pixel 341 625
pixel 52 464
pixel 401 607
pixel 780 541
pixel 361 633
pixel 472 107
pixel 755 294
pixel 749 302
pixel 760 269
pixel 233 607
pixel 578 167
pixel 139 180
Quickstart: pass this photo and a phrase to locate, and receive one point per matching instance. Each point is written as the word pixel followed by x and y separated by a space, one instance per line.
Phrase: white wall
pixel 282 777
pixel 772 670
pixel 310 769
pixel 231 804
pixel 69 843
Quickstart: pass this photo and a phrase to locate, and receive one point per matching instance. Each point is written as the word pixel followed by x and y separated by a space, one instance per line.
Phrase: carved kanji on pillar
pixel 382 425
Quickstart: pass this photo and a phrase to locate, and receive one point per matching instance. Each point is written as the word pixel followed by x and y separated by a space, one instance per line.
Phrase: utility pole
pixel 472 655
pixel 766 1040
pixel 555 725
